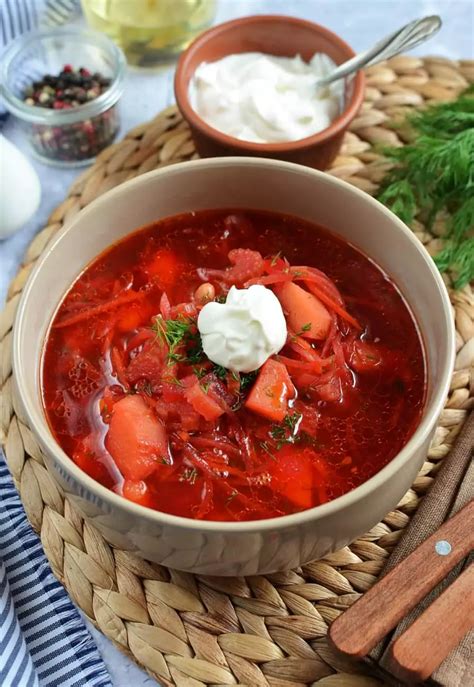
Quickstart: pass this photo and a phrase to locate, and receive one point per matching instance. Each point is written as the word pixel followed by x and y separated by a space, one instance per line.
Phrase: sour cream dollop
pixel 242 333
pixel 264 98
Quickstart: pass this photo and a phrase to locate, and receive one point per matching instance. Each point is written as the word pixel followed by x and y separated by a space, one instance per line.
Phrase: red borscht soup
pixel 133 400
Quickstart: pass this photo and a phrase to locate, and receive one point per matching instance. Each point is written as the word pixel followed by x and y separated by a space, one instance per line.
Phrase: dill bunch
pixel 435 172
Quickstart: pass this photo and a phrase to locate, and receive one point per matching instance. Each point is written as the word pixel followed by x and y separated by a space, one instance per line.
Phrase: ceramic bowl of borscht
pixel 233 366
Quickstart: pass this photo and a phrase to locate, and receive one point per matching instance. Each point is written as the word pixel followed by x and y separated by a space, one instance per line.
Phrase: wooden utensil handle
pixel 364 624
pixel 423 647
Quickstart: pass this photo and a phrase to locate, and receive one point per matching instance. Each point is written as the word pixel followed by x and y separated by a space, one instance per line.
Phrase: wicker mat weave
pixel 266 631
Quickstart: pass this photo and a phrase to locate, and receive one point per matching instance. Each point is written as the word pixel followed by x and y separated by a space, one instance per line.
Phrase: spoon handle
pixel 407 37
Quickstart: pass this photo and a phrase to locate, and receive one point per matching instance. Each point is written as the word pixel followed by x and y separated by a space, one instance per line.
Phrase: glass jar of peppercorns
pixel 64 86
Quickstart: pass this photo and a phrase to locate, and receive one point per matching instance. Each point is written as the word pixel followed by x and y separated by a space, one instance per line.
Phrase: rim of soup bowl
pixel 37 419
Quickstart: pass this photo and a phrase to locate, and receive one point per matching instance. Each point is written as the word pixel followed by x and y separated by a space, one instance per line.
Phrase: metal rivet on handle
pixel 443 547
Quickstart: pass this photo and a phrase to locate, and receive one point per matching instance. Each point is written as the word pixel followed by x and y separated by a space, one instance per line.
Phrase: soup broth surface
pixel 116 391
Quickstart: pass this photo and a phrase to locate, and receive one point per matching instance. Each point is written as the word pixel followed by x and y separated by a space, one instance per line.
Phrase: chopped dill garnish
pixel 219 371
pixel 305 328
pixel 179 334
pixel 188 475
pixel 199 372
pixel 275 258
pixel 292 421
pixel 204 386
pixel 173 380
pixel 172 332
pixel 231 497
pixel 148 388
pixel 176 358
pixel 195 353
pixel 220 299
pixel 434 174
pixel 278 434
pixel 247 379
pixel 286 431
pixel 266 448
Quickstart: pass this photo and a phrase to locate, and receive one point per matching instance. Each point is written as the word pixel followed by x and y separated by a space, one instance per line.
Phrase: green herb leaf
pixel 199 372
pixel 219 371
pixel 148 388
pixel 231 497
pixel 275 258
pixel 264 445
pixel 181 337
pixel 305 328
pixel 286 432
pixel 292 421
pixel 435 172
pixel 173 380
pixel 188 475
pixel 247 379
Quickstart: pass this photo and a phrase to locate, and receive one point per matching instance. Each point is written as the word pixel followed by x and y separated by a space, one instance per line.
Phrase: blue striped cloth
pixel 43 639
pixel 18 16
pixel 16 665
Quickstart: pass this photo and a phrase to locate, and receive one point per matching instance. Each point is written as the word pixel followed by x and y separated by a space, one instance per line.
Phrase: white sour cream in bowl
pixel 242 333
pixel 264 98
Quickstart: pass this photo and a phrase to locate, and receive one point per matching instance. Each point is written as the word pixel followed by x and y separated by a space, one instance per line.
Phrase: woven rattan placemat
pixel 266 631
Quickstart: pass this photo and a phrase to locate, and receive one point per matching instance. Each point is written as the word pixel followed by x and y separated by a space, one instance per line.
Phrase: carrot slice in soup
pixel 271 392
pixel 137 492
pixel 292 476
pixel 203 403
pixel 306 315
pixel 165 266
pixel 136 439
pixel 366 357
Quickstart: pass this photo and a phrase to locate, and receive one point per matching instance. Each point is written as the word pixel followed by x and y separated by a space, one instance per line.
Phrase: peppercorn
pixel 70 89
pixel 70 86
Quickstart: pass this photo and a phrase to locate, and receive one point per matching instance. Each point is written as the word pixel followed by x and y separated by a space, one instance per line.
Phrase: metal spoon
pixel 407 37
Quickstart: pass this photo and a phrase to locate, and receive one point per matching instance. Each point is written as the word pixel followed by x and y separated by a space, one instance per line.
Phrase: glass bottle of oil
pixel 150 31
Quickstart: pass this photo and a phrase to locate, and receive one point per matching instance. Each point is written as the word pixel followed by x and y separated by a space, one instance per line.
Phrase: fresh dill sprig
pixel 219 371
pixel 204 385
pixel 231 497
pixel 287 431
pixel 179 334
pixel 247 379
pixel 305 328
pixel 434 173
pixel 264 445
pixel 199 372
pixel 189 475
pixel 275 258
pixel 172 332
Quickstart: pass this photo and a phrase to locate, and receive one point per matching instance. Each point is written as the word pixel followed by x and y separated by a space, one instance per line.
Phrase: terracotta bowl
pixel 276 35
pixel 235 548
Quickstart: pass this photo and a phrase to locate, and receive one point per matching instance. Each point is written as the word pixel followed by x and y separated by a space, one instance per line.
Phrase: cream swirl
pixel 264 98
pixel 242 333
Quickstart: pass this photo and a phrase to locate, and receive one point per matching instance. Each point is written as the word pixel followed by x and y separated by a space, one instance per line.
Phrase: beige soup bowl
pixel 236 548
